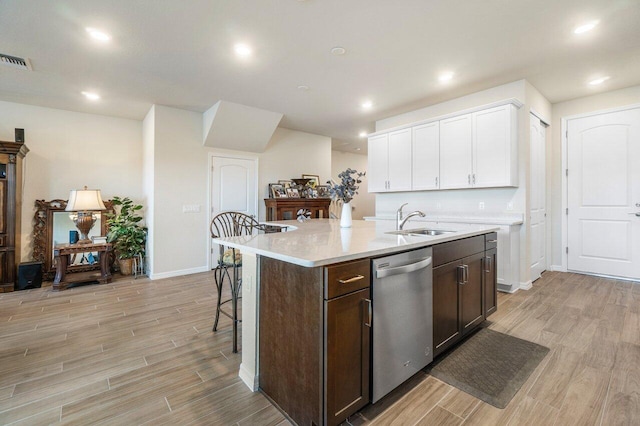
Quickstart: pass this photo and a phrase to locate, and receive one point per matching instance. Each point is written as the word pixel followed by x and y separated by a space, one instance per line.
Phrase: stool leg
pixel 234 303
pixel 218 277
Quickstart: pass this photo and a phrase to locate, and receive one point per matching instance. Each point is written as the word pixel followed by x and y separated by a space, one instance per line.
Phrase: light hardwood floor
pixel 141 351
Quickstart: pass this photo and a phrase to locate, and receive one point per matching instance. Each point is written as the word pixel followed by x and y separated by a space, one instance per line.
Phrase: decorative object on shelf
pixel 277 190
pixel 314 180
pixel 301 184
pixel 286 183
pixel 293 193
pixel 84 203
pixel 323 191
pixel 303 215
pixel 126 233
pixel 345 191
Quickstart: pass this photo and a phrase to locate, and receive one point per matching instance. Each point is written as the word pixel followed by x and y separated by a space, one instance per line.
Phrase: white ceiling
pixel 180 53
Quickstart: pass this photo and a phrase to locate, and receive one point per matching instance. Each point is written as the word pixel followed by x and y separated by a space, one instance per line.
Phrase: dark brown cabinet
pixel 464 293
pixel 315 339
pixel 287 208
pixel 11 155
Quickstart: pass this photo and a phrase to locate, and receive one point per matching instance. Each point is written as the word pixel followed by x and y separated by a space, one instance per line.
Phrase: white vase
pixel 345 217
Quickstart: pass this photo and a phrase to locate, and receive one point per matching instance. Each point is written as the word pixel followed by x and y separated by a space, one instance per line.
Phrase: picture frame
pixel 315 180
pixel 292 193
pixel 277 190
pixel 286 183
pixel 312 193
pixel 323 191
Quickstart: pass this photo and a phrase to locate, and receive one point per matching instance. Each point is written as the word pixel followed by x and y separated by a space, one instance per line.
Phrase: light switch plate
pixel 191 208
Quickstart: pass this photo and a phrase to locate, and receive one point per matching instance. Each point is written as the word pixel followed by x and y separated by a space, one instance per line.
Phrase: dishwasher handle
pixel 404 269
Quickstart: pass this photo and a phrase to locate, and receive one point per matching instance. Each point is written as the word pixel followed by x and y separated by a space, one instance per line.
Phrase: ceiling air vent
pixel 15 62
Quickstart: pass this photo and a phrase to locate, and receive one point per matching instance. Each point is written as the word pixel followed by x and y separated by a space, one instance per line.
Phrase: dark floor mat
pixel 489 365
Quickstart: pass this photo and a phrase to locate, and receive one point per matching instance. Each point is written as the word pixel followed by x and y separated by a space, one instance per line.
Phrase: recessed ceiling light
pixel 98 35
pixel 91 96
pixel 338 51
pixel 599 80
pixel 363 134
pixel 366 104
pixel 585 27
pixel 242 50
pixel 445 77
pixel 303 88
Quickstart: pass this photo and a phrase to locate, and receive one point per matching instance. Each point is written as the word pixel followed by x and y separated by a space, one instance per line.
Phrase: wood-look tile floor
pixel 141 351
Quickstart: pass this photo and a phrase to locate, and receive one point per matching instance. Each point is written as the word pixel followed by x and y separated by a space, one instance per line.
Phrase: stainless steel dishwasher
pixel 402 318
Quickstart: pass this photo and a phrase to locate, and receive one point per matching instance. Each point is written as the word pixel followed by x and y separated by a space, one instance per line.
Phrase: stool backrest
pixel 233 224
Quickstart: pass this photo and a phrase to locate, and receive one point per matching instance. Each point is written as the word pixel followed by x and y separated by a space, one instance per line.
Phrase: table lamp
pixel 84 202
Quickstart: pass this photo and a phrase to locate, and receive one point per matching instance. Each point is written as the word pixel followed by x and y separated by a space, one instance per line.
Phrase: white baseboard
pixel 178 273
pixel 508 288
pixel 526 286
pixel 248 378
pixel 557 268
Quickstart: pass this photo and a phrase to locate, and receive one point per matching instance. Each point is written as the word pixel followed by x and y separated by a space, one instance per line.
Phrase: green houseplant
pixel 126 233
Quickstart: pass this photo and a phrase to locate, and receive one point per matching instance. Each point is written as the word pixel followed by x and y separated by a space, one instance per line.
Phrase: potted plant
pixel 126 233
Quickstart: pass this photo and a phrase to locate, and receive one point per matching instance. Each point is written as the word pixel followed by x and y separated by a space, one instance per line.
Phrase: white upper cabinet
pixel 495 159
pixel 390 162
pixel 425 150
pixel 456 152
pixel 474 150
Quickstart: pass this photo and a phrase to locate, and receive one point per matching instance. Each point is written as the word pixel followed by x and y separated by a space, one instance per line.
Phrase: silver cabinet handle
pixel 636 214
pixel 474 178
pixel 492 241
pixel 487 264
pixel 436 181
pixel 351 280
pixel 369 312
pixel 462 274
pixel 404 269
pixel 469 179
pixel 466 274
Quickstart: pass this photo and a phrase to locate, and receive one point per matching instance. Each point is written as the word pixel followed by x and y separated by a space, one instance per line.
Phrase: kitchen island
pixel 306 307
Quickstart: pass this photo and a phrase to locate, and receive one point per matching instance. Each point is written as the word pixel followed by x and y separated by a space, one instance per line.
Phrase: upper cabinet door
pixel 495 156
pixel 456 141
pixel 425 167
pixel 378 172
pixel 400 161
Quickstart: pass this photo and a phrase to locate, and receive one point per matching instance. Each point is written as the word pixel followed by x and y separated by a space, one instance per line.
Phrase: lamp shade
pixel 85 200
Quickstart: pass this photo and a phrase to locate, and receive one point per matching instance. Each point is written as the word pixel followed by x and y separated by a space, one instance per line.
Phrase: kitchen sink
pixel 421 231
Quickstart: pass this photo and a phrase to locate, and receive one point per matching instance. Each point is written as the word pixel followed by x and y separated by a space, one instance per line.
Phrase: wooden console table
pixel 62 252
pixel 287 208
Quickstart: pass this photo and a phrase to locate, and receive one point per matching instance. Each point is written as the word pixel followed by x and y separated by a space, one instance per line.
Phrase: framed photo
pixel 312 193
pixel 286 183
pixel 323 191
pixel 293 193
pixel 315 180
pixel 277 190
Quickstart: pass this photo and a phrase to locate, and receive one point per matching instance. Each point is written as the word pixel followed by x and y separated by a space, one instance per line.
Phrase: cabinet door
pixel 494 157
pixel 425 147
pixel 456 142
pixel 378 172
pixel 348 348
pixel 490 282
pixel 446 325
pixel 400 160
pixel 471 292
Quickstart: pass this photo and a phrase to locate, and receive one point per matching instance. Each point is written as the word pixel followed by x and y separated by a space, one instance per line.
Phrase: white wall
pixel 290 154
pixel 69 150
pixel 598 102
pixel 364 204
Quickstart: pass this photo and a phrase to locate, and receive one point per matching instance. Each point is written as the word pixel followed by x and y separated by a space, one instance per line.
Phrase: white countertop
pixel 319 242
pixel 508 219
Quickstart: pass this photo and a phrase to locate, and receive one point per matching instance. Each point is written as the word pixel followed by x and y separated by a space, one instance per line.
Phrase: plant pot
pixel 345 217
pixel 126 266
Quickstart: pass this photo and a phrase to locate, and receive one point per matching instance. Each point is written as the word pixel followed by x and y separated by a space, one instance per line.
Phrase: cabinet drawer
pixel 491 241
pixel 346 277
pixel 454 250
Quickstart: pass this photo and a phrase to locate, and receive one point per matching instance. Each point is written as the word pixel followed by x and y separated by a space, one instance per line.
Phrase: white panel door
pixel 400 160
pixel 492 147
pixel 378 170
pixel 537 208
pixel 456 140
pixel 603 156
pixel 425 166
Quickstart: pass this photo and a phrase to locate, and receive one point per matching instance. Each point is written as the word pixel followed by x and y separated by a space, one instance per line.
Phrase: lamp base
pixel 84 222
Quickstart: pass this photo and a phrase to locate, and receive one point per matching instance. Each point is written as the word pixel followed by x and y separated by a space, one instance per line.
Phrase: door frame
pixel 565 187
pixel 233 155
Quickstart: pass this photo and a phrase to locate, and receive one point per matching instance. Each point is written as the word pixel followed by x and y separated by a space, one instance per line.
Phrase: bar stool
pixel 231 224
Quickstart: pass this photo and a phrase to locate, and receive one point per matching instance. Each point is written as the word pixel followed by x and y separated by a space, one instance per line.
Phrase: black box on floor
pixel 29 275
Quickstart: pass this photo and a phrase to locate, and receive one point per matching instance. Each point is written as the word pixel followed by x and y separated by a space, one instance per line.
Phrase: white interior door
pixel 603 183
pixel 233 187
pixel 538 213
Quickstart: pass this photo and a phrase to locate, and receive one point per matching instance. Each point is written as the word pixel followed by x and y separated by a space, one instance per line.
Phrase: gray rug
pixel 489 365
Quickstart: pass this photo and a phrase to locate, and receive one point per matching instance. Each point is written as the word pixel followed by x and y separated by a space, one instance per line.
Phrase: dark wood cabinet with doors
pixel 462 289
pixel 287 208
pixel 315 336
pixel 11 156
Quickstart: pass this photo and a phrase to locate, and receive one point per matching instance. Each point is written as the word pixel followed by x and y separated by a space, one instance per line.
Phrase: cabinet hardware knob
pixel 351 280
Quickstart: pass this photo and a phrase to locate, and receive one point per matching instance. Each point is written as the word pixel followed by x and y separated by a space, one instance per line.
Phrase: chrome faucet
pixel 400 221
